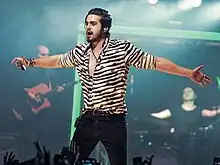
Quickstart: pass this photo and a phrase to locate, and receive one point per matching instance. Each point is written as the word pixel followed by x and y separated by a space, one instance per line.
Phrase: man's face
pixel 93 28
pixel 189 94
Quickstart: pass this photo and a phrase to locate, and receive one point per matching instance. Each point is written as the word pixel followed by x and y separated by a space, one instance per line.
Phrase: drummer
pixel 187 116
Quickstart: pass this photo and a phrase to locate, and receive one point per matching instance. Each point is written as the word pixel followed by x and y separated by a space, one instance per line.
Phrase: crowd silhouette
pixel 66 156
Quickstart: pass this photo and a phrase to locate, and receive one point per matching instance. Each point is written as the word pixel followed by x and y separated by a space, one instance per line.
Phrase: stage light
pixel 152 2
pixel 149 144
pixel 212 12
pixel 188 4
pixel 184 5
pixel 196 3
pixel 172 130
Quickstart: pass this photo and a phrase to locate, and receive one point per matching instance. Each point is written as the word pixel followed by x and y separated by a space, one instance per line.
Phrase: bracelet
pixel 32 62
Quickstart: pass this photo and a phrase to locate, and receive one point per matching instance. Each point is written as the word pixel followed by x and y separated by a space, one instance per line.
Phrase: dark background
pixel 26 24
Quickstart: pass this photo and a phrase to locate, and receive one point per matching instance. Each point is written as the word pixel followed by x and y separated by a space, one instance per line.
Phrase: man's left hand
pixel 198 77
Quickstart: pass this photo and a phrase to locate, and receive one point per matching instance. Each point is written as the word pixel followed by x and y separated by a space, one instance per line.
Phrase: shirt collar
pixel 106 42
pixel 104 46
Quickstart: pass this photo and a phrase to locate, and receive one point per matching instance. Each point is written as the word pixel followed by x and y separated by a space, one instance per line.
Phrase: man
pixel 31 109
pixel 103 66
pixel 47 85
pixel 187 115
pixel 187 120
pixel 46 88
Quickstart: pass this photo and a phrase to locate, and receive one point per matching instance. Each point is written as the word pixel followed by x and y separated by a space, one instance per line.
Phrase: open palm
pixel 200 78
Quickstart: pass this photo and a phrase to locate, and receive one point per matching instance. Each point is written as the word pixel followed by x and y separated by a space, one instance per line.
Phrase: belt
pixel 100 115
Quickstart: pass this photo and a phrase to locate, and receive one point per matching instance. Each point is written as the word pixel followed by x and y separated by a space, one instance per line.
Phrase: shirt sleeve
pixel 67 60
pixel 138 58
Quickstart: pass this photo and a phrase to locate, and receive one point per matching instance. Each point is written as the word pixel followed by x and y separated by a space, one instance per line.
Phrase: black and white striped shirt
pixel 105 90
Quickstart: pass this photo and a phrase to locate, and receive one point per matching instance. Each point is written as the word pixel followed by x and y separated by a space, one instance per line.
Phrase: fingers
pixel 198 82
pixel 20 62
pixel 207 78
pixel 39 150
pixel 206 81
pixel 5 157
pixel 45 150
pixel 37 146
pixel 199 67
pixel 10 156
pixel 14 60
pixel 152 156
pixel 200 78
pixel 203 81
pixel 17 62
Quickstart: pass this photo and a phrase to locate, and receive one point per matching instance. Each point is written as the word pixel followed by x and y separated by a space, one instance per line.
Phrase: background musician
pixel 40 99
pixel 186 121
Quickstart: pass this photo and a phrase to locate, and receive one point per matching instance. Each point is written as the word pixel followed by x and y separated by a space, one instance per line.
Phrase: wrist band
pixel 32 62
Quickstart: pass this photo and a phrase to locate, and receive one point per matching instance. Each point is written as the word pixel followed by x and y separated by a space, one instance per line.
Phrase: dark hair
pixel 106 20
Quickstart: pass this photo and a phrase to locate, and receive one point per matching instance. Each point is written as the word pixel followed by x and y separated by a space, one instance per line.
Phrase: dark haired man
pixel 103 65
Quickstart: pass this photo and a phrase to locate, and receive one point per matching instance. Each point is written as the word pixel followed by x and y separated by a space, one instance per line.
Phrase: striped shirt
pixel 105 90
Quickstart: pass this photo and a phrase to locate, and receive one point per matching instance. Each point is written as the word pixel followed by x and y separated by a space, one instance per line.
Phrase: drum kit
pixel 154 136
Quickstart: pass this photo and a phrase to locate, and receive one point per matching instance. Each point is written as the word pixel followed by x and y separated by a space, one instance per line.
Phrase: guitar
pixel 38 96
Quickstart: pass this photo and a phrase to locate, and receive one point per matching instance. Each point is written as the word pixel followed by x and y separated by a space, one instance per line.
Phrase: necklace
pixel 94 56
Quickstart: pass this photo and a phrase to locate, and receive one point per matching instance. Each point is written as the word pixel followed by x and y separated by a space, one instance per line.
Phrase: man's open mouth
pixel 89 33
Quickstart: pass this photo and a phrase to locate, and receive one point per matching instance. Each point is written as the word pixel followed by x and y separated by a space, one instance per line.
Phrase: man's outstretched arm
pixel 137 58
pixel 54 61
pixel 167 66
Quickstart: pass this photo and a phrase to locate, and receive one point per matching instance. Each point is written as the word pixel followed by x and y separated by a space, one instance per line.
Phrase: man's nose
pixel 88 27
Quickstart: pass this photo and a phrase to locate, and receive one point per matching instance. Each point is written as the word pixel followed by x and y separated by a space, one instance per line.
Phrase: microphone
pixel 20 65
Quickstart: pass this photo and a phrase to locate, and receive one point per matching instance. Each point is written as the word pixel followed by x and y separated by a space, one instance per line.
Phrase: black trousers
pixel 111 131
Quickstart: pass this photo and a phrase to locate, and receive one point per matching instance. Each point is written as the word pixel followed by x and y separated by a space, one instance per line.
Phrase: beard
pixel 94 38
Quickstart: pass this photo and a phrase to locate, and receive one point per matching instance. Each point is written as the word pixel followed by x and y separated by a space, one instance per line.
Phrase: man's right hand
pixel 53 61
pixel 19 61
